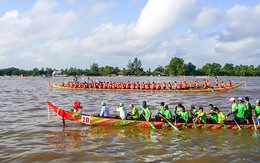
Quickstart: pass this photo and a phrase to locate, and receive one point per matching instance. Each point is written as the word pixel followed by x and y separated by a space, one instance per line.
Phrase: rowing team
pixel 242 112
pixel 145 86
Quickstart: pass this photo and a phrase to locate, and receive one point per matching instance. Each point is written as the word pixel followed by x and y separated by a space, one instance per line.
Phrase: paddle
pixel 195 125
pixel 152 126
pixel 174 127
pixel 254 124
pixel 237 124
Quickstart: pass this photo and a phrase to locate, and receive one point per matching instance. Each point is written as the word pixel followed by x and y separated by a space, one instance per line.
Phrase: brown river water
pixel 26 134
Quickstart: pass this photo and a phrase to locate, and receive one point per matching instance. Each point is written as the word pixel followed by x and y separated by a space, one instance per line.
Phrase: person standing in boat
pixel 233 106
pixel 201 118
pixel 240 112
pixel 146 112
pixel 122 111
pixel 257 111
pixel 248 112
pixel 135 113
pixel 160 111
pixel 104 110
pixel 216 81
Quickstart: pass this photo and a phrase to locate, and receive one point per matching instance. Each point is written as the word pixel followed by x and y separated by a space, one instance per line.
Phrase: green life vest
pixel 135 113
pixel 184 115
pixel 161 109
pixel 257 110
pixel 146 112
pixel 241 110
pixel 203 116
pixel 168 114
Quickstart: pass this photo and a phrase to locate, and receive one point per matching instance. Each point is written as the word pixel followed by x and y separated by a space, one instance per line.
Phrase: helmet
pixel 240 99
pixel 103 104
pixel 121 104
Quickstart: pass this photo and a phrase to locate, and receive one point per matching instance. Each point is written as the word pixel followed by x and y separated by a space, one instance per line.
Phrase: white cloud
pixel 158 17
pixel 206 17
pixel 100 7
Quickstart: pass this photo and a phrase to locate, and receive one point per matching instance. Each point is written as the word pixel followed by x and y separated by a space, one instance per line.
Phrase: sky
pixel 77 33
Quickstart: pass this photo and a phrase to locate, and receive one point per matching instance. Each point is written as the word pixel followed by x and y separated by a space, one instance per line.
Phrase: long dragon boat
pixel 82 87
pixel 100 121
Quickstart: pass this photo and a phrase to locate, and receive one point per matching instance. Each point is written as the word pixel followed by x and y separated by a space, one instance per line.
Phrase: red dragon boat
pixel 100 121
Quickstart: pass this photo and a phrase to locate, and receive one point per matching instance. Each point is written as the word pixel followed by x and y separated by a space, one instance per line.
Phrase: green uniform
pixel 135 113
pixel 161 109
pixel 221 117
pixel 257 110
pixel 184 115
pixel 146 112
pixel 234 107
pixel 179 111
pixel 214 115
pixel 168 114
pixel 241 110
pixel 248 113
pixel 202 117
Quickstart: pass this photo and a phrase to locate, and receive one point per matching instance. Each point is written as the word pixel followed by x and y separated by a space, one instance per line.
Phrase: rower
pixel 221 117
pixel 229 84
pixel 104 110
pixel 77 109
pixel 257 111
pixel 160 111
pixel 146 112
pixel 248 111
pixel 193 112
pixel 135 113
pixel 240 111
pixel 216 81
pixel 183 116
pixel 233 106
pixel 122 111
pixel 201 118
pixel 223 85
pixel 214 117
pixel 167 114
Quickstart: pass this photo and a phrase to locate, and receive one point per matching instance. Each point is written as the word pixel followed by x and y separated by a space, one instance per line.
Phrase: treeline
pixel 176 67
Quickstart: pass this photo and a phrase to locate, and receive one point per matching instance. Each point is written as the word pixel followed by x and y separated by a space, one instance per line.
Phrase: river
pixel 27 135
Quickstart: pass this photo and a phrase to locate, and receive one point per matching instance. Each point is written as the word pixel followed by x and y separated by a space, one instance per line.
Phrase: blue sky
pixel 72 33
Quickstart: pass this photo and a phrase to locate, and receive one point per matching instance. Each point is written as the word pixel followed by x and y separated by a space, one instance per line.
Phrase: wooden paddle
pixel 174 127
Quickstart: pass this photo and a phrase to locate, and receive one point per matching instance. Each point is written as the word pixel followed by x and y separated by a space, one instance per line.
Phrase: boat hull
pixel 215 89
pixel 99 121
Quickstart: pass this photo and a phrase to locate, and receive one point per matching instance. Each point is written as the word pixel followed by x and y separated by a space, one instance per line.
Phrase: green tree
pixel 134 68
pixel 176 67
pixel 94 69
pixel 228 69
pixel 159 71
pixel 191 69
pixel 35 72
